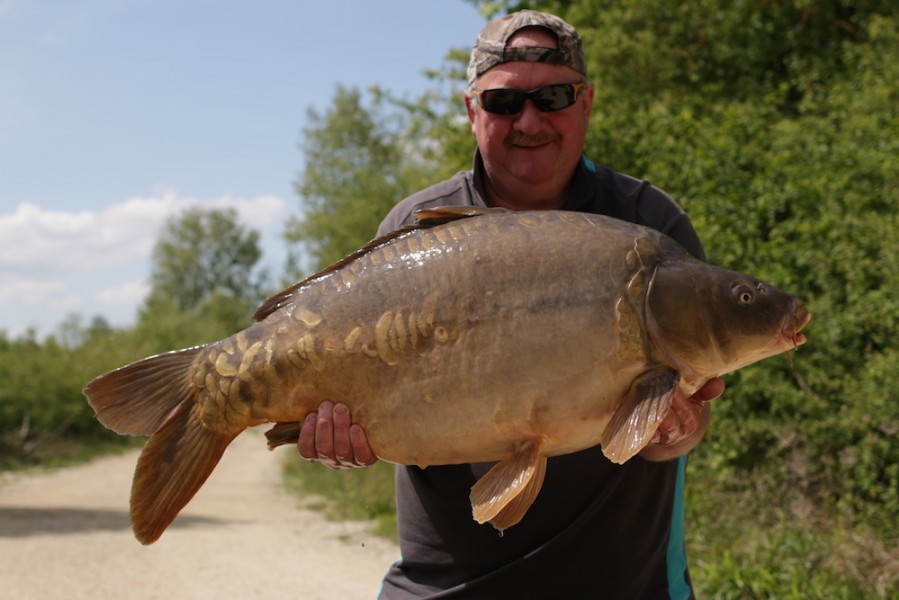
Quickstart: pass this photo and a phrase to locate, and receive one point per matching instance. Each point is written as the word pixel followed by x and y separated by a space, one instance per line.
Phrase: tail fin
pixel 154 396
pixel 172 467
pixel 139 398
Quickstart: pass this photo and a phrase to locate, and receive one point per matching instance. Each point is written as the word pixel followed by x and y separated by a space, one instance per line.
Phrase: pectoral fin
pixel 638 417
pixel 506 492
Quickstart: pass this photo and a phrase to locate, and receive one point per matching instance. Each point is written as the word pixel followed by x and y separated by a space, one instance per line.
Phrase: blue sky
pixel 115 114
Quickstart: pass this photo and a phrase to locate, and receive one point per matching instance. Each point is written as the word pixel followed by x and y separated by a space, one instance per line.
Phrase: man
pixel 596 529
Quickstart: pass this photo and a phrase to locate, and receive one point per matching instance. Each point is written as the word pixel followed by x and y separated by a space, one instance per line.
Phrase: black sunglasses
pixel 549 98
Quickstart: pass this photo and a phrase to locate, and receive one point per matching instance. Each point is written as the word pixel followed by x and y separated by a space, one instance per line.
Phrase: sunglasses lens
pixel 502 101
pixel 549 98
pixel 553 97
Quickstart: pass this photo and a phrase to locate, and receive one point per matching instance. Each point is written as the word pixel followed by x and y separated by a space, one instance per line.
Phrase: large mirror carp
pixel 476 335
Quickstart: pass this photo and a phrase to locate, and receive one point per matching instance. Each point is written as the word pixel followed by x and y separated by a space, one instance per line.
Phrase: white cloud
pixel 28 291
pixel 58 262
pixel 258 212
pixel 24 300
pixel 131 293
pixel 54 241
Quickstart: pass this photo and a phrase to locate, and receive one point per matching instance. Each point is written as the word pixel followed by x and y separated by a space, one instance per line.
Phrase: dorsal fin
pixel 429 217
pixel 284 297
pixel 424 218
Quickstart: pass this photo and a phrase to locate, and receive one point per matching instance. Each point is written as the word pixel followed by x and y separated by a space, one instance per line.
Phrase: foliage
pixel 740 550
pixel 40 396
pixel 202 252
pixel 363 156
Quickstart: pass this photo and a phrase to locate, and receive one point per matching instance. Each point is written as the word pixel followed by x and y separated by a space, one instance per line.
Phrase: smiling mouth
pixel 520 140
pixel 530 145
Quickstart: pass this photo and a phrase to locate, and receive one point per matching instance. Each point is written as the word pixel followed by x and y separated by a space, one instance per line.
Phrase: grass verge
pixel 352 494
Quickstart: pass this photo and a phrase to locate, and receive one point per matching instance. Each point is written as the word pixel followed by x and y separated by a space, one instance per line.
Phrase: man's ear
pixel 469 107
pixel 588 100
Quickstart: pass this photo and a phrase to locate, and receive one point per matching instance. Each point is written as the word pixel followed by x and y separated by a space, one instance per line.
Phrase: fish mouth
pixel 792 331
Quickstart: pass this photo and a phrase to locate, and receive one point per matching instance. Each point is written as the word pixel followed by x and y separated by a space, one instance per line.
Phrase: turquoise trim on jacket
pixel 678 588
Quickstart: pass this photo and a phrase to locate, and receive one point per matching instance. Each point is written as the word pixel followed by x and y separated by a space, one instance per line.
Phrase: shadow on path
pixel 27 521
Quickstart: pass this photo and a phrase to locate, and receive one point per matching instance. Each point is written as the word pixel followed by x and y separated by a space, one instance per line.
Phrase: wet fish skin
pixel 495 336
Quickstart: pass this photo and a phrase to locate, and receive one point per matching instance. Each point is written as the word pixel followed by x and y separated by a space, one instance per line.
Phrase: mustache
pixel 516 138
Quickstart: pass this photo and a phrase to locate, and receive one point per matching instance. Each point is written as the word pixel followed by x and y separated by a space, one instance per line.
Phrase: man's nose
pixel 530 119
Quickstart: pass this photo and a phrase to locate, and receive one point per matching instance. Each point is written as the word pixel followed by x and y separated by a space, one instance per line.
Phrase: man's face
pixel 532 153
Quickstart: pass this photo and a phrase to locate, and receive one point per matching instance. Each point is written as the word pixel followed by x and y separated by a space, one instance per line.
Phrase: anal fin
pixel 282 433
pixel 506 492
pixel 636 420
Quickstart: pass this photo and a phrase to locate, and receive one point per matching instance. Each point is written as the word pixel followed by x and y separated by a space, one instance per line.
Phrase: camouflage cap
pixel 490 48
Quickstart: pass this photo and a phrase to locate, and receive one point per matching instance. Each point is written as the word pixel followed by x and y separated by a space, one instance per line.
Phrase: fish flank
pixel 383 331
pixel 349 342
pixel 242 341
pixel 248 358
pixel 412 244
pixel 428 240
pixel 223 365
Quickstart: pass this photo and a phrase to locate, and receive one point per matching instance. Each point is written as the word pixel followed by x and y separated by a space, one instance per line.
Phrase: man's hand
pixel 685 424
pixel 330 437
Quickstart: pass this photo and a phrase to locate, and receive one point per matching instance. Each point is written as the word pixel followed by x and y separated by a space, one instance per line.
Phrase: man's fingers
pixel 361 450
pixel 669 430
pixel 343 449
pixel 330 438
pixel 324 431
pixel 712 389
pixel 306 444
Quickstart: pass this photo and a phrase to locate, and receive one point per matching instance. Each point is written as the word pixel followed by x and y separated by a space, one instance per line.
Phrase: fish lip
pixel 792 331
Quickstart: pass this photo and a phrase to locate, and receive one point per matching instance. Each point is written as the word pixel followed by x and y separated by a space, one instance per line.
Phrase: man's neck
pixel 530 199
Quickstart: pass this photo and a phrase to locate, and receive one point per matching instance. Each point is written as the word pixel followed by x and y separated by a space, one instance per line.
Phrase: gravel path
pixel 66 534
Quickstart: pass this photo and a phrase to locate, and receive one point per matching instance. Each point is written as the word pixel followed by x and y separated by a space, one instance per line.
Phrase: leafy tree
pixel 202 252
pixel 365 154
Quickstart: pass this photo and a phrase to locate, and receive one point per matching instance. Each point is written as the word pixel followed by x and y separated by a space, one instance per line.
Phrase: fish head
pixel 707 321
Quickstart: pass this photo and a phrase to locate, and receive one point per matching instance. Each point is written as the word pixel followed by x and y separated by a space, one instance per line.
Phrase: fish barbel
pixel 476 335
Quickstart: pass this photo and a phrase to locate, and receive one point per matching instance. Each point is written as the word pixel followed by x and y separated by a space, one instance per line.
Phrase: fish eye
pixel 744 294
